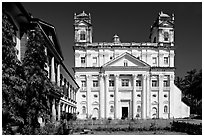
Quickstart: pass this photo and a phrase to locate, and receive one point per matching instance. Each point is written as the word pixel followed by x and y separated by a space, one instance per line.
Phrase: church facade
pixel 127 80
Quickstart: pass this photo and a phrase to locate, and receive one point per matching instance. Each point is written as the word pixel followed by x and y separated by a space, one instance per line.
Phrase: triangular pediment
pixel 126 60
pixel 82 23
pixel 166 24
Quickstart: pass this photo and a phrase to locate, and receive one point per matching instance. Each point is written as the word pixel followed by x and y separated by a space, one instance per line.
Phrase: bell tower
pixel 162 31
pixel 82 28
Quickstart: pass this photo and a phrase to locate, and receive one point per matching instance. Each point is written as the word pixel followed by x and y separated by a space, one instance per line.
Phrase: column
pixel 63 106
pixel 144 97
pixel 66 108
pixel 58 74
pixel 53 70
pixel 101 97
pixel 70 109
pixel 53 111
pixel 47 64
pixel 89 83
pixel 106 96
pixel 59 110
pixel 134 106
pixel 148 97
pixel 171 98
pixel 116 100
pixel 161 96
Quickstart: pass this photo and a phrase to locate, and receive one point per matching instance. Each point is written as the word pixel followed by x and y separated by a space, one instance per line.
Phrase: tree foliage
pixel 26 89
pixel 191 86
pixel 13 83
pixel 38 85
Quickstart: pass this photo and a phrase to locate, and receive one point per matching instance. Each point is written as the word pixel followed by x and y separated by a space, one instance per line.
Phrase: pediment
pixel 166 24
pixel 82 23
pixel 95 103
pixel 83 102
pixel 111 102
pixel 155 103
pixel 126 60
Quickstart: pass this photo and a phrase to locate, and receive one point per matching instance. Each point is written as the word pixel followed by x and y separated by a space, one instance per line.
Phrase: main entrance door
pixel 124 112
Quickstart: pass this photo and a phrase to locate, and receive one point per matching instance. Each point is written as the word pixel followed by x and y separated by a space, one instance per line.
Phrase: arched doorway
pixel 95 113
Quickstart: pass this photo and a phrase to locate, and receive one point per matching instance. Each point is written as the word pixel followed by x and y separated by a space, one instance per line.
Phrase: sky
pixel 131 21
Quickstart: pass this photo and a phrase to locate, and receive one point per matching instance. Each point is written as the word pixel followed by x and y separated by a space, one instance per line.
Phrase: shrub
pixel 188 128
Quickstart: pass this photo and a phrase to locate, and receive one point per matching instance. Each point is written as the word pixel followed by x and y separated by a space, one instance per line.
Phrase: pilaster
pixel 161 95
pixel 101 97
pixel 148 97
pixel 134 106
pixel 106 96
pixel 171 98
pixel 116 100
pixel 88 97
pixel 144 97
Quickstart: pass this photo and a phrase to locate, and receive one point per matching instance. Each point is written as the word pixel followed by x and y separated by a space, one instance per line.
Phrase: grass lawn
pixel 133 127
pixel 134 133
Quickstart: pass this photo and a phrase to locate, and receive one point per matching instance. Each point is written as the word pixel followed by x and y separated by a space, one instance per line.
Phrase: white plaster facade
pixel 130 80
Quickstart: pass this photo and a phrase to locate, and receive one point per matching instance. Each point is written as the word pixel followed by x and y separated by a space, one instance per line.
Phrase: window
pixel 83 60
pixel 83 96
pixel 95 95
pixel 166 83
pixel 125 82
pixel 154 83
pixel 83 83
pixel 82 35
pixel 94 61
pixel 138 109
pixel 111 83
pixel 154 40
pixel 166 36
pixel 166 60
pixel 95 83
pixel 165 109
pixel 125 63
pixel 111 109
pixel 138 83
pixel 154 60
pixel 83 110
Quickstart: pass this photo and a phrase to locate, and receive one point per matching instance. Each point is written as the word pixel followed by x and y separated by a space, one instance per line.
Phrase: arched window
pixel 83 110
pixel 82 35
pixel 154 112
pixel 111 109
pixel 166 36
pixel 138 108
pixel 165 109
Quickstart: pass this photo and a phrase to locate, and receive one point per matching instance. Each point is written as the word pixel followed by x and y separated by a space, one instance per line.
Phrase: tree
pixel 191 87
pixel 38 86
pixel 13 84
